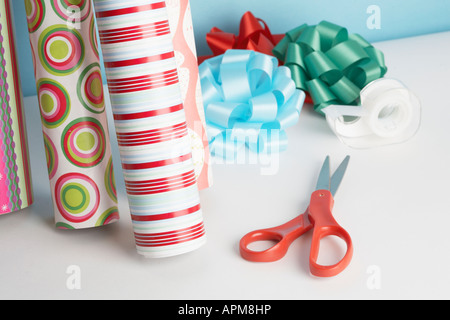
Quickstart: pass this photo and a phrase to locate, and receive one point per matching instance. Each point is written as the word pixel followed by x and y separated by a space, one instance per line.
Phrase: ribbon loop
pixel 250 101
pixel 263 108
pixel 345 90
pixel 260 73
pixel 330 64
pixel 224 114
pixel 320 66
pixel 309 40
pixel 347 54
pixel 283 86
pixel 331 34
pixel 234 77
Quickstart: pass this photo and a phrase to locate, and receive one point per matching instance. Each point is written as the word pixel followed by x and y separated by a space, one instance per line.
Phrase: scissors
pixel 318 217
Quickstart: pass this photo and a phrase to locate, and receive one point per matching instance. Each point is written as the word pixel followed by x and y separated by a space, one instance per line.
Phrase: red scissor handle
pixel 284 235
pixel 320 214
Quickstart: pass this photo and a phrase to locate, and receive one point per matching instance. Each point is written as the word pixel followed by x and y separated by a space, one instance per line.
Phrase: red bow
pixel 254 34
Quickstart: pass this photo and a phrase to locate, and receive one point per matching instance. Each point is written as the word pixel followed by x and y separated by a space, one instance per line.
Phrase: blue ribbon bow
pixel 249 101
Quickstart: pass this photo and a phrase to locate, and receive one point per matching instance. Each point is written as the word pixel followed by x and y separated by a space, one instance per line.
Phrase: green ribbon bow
pixel 329 64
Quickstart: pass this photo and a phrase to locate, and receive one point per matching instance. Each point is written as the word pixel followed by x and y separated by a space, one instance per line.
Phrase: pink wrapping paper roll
pixel 74 122
pixel 182 30
pixel 151 128
pixel 15 177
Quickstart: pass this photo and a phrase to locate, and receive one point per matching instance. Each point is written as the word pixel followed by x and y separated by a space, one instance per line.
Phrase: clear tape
pixel 388 113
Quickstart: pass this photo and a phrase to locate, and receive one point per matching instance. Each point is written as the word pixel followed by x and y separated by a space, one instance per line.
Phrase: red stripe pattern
pixel 141 138
pixel 171 238
pixel 145 82
pixel 121 35
pixel 151 127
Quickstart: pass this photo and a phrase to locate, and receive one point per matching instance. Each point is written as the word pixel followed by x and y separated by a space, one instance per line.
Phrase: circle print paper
pixel 198 152
pixel 35 11
pixel 93 36
pixel 51 156
pixel 109 216
pixel 90 89
pixel 64 226
pixel 54 102
pixel 77 197
pixel 61 50
pixel 72 10
pixel 83 142
pixel 110 181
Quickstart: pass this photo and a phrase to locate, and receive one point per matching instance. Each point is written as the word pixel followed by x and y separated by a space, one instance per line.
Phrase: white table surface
pixel 394 201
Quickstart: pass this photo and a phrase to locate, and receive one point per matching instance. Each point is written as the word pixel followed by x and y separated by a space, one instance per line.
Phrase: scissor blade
pixel 323 183
pixel 337 177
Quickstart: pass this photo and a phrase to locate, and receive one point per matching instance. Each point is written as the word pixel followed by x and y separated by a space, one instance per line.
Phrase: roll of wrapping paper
pixel 15 177
pixel 70 92
pixel 182 30
pixel 151 126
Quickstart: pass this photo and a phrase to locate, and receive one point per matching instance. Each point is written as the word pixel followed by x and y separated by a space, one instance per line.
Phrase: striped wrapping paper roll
pixel 15 177
pixel 74 121
pixel 151 126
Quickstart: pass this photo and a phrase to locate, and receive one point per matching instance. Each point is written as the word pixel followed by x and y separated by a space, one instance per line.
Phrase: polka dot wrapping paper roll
pixel 150 121
pixel 15 176
pixel 70 93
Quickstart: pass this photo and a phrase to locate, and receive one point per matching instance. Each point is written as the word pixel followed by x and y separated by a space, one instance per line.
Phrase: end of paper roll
pixel 389 114
pixel 172 250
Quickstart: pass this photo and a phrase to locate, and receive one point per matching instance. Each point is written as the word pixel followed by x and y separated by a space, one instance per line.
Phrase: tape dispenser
pixel 389 113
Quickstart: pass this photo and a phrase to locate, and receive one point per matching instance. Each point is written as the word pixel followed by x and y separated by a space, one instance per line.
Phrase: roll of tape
pixel 389 113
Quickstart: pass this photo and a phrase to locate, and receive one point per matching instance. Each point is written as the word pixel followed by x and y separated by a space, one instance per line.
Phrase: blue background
pixel 399 18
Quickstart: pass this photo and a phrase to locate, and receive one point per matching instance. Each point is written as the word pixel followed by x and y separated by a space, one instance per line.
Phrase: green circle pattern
pixel 61 33
pixel 75 192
